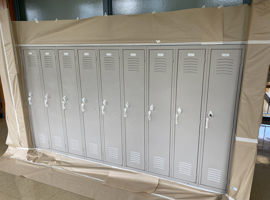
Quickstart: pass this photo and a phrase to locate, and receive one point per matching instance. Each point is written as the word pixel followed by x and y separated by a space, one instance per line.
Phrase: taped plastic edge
pixel 230 198
pixel 11 90
pixel 241 139
pixel 258 42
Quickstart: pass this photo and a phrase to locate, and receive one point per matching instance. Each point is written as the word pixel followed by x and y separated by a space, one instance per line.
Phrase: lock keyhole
pixel 211 114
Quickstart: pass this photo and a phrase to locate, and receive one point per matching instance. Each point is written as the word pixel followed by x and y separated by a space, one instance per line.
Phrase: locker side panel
pixel 90 109
pixel 110 83
pixel 224 72
pixel 160 86
pixel 35 98
pixel 52 100
pixel 188 113
pixel 134 105
pixel 72 104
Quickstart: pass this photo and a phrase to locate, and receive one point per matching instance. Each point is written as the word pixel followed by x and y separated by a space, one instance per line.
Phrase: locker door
pixel 111 109
pixel 160 82
pixel 134 107
pixel 70 101
pixel 52 99
pixel 223 80
pixel 89 102
pixel 35 98
pixel 188 113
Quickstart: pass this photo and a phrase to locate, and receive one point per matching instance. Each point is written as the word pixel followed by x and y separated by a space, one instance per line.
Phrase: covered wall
pixel 200 26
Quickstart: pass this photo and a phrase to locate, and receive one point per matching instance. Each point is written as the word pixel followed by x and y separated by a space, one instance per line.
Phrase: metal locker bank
pixel 169 111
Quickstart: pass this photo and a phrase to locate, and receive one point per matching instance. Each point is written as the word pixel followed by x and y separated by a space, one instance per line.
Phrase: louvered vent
pixel 87 62
pixel 75 145
pixel 159 162
pixel 213 175
pixel 160 64
pixel 42 138
pixel 224 66
pixel 113 153
pixel 93 148
pixel 31 61
pixel 109 63
pixel 190 65
pixel 67 62
pixel 135 157
pixel 133 64
pixel 57 141
pixel 48 61
pixel 185 168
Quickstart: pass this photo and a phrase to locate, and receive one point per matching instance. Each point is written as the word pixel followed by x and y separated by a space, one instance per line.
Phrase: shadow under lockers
pixel 167 110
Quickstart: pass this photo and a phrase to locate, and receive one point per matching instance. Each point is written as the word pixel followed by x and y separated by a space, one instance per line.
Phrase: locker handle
pixel 64 102
pixel 103 107
pixel 46 100
pixel 83 103
pixel 179 111
pixel 152 107
pixel 206 122
pixel 30 98
pixel 125 109
pixel 210 115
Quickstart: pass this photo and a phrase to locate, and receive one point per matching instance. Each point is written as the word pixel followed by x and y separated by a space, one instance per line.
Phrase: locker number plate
pixel 108 54
pixel 133 54
pixel 66 54
pixel 225 55
pixel 191 54
pixel 160 54
pixel 86 54
pixel 47 54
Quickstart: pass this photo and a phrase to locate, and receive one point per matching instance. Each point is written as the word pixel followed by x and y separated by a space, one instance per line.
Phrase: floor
pixel 14 187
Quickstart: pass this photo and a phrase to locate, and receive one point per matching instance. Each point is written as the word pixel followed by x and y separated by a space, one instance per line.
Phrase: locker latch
pixel 152 107
pixel 64 102
pixel 30 98
pixel 210 115
pixel 125 109
pixel 83 103
pixel 179 111
pixel 47 96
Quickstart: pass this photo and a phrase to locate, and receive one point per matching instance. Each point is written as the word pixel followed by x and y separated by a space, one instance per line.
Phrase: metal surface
pixel 89 89
pixel 223 82
pixel 52 99
pixel 131 7
pixel 160 83
pixel 134 84
pixel 72 102
pixel 189 93
pixel 110 86
pixel 33 78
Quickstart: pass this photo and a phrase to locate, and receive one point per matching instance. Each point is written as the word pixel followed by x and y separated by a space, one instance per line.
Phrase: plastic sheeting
pixel 212 25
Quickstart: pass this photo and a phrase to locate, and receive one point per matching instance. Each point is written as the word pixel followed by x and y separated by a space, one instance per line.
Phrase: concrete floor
pixel 15 187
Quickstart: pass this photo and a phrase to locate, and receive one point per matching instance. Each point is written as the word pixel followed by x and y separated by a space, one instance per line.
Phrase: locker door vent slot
pixel 224 66
pixel 48 61
pixel 67 63
pixel 135 157
pixel 42 138
pixel 185 168
pixel 75 145
pixel 113 153
pixel 213 175
pixel 109 63
pixel 87 62
pixel 159 162
pixel 190 65
pixel 31 61
pixel 57 141
pixel 133 64
pixel 160 65
pixel 93 148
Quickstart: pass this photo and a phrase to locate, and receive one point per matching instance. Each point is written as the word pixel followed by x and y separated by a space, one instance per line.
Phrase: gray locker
pixel 35 98
pixel 52 99
pixel 160 86
pixel 111 107
pixel 70 101
pixel 134 107
pixel 188 113
pixel 222 89
pixel 89 102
